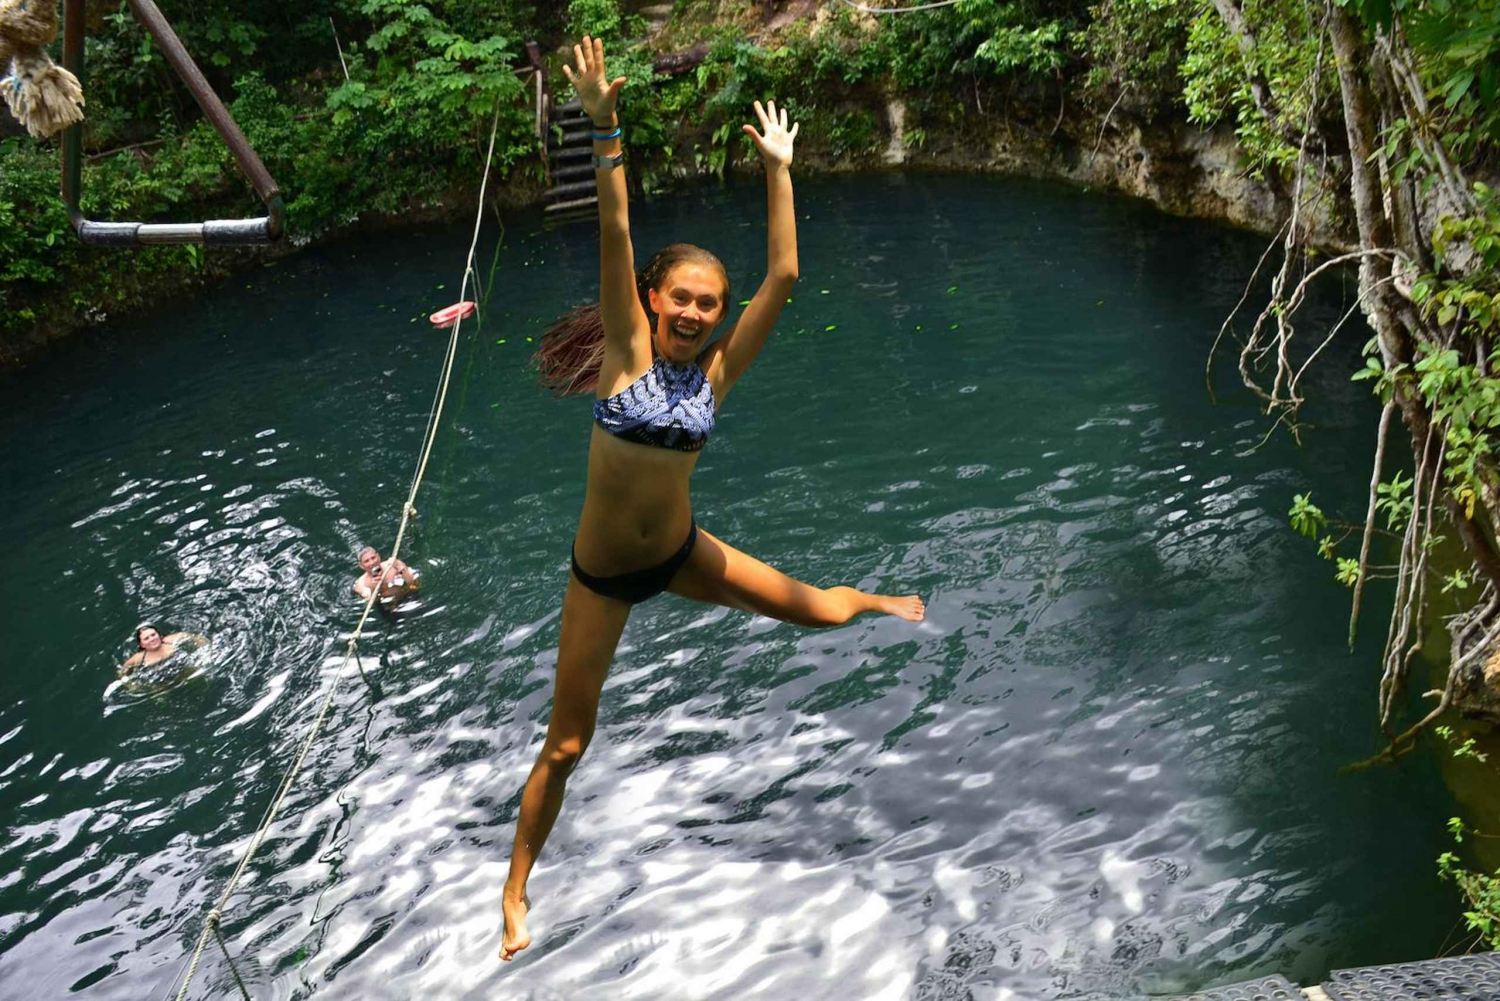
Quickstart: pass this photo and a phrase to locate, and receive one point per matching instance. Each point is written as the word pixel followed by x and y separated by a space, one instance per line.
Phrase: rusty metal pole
pixel 214 232
pixel 177 55
pixel 72 140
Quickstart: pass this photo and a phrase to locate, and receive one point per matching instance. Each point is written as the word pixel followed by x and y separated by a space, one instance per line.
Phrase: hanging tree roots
pixel 1377 86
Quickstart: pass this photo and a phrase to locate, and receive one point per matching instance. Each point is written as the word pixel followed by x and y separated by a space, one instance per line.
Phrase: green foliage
pixel 1220 77
pixel 1375 369
pixel 418 88
pixel 406 129
pixel 829 75
pixel 852 132
pixel 1481 891
pixel 1394 499
pixel 1465 749
pixel 598 18
pixel 1459 43
pixel 1461 394
pixel 32 218
pixel 1140 44
pixel 1348 571
pixel 603 19
pixel 737 72
pixel 1467 401
pixel 408 124
pixel 1458 580
pixel 1472 302
pixel 1307 518
pixel 975 38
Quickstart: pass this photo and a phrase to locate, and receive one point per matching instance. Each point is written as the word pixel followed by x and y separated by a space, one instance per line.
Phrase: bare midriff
pixel 637 511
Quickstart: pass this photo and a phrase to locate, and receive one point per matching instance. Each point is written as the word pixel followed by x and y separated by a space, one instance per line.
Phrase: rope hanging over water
pixel 408 509
pixel 42 96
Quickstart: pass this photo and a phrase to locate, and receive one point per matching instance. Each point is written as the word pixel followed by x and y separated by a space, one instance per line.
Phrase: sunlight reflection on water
pixel 1103 767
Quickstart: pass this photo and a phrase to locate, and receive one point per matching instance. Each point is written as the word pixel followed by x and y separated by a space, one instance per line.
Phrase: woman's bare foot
pixel 516 937
pixel 909 607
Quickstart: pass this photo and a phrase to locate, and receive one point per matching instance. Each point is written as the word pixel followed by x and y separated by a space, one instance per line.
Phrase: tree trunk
pixel 1234 20
pixel 1385 307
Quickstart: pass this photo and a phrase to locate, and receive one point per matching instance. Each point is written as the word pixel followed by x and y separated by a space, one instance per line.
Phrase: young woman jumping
pixel 657 381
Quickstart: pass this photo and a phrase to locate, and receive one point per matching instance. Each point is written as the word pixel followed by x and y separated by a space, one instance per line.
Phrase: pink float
pixel 449 315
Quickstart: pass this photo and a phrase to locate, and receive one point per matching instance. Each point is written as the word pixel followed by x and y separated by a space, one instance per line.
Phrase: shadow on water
pixel 1103 767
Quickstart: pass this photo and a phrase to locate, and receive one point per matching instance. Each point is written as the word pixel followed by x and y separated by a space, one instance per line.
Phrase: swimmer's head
pixel 687 290
pixel 147 637
pixel 369 559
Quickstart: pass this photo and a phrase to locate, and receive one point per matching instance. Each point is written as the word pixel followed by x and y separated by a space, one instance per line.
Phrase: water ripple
pixel 1104 766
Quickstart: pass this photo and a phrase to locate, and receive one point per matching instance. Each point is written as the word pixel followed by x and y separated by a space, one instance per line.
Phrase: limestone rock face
pixel 1180 168
pixel 1478 693
pixel 1200 173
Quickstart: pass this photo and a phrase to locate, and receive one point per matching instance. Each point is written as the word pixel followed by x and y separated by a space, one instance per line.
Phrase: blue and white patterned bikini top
pixel 671 406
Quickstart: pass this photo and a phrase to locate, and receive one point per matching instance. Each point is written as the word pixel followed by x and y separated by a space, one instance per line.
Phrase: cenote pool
pixel 1104 767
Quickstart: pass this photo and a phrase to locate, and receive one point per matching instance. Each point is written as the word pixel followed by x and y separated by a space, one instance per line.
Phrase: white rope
pixel 900 10
pixel 215 914
pixel 336 45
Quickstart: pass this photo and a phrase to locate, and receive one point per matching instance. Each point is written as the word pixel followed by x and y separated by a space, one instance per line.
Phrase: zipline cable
pixel 216 913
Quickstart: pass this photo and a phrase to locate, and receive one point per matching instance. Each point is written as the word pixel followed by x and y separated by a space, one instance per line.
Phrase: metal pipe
pixel 215 232
pixel 72 140
pixel 539 106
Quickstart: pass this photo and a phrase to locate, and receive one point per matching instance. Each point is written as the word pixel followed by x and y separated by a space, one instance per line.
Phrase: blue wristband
pixel 600 137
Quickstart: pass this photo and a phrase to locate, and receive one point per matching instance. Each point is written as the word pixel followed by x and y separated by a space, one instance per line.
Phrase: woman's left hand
pixel 774 140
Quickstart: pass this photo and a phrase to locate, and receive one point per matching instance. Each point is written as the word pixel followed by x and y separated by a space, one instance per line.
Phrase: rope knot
pixel 214 917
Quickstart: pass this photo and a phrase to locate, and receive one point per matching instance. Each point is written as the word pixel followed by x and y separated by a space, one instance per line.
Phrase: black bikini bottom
pixel 638 585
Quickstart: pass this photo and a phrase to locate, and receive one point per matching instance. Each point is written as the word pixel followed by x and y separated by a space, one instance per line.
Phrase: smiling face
pixel 688 305
pixel 369 561
pixel 148 639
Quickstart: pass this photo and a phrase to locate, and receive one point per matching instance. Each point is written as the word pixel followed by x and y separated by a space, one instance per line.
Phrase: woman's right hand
pixel 596 92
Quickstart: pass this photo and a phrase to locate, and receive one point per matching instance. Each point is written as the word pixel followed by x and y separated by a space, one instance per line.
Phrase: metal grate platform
pixel 1277 988
pixel 1462 978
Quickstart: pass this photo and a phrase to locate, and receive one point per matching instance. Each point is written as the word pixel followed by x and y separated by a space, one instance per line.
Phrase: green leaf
pixel 1457 86
pixel 1348 571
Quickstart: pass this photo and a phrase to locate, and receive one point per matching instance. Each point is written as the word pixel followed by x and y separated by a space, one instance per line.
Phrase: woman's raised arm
pixel 624 319
pixel 744 342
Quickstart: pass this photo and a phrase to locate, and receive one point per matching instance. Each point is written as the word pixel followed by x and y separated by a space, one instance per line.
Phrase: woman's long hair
pixel 568 359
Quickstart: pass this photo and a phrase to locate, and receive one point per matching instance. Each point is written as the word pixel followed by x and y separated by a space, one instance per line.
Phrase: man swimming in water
pixel 394 578
pixel 152 647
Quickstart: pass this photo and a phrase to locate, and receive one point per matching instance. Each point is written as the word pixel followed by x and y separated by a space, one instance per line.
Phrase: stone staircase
pixel 573 193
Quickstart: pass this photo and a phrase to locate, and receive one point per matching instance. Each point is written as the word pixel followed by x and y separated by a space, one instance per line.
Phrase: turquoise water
pixel 1104 766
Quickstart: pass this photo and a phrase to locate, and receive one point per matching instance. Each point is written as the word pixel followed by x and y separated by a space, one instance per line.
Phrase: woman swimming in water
pixel 657 382
pixel 152 648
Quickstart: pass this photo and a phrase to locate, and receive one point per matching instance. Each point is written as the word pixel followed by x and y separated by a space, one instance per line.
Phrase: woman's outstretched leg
pixel 720 574
pixel 591 626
